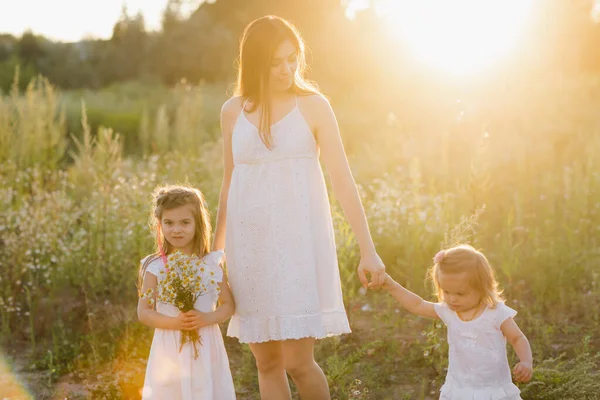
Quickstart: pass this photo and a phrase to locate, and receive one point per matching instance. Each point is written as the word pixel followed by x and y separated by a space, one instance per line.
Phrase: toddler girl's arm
pixel 195 319
pixel 148 316
pixel 409 300
pixel 523 369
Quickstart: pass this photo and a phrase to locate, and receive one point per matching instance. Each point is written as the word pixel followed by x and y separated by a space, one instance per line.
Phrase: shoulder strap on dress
pixel 245 103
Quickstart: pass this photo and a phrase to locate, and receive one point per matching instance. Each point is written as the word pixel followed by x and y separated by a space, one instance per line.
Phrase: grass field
pixel 512 168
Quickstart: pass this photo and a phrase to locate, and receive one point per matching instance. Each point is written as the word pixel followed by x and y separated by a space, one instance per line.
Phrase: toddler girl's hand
pixel 522 372
pixel 195 319
pixel 387 282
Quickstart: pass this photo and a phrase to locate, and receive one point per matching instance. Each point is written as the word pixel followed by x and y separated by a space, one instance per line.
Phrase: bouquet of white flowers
pixel 184 279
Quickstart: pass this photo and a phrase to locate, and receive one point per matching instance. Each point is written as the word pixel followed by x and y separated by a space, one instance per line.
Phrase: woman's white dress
pixel 281 256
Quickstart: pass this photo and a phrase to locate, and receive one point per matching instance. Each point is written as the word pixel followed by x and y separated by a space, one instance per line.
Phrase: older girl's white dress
pixel 175 375
pixel 281 256
pixel 478 365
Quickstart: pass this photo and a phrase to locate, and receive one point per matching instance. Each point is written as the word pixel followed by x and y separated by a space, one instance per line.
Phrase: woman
pixel 279 240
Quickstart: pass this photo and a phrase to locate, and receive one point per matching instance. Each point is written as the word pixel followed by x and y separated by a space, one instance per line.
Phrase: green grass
pixel 74 225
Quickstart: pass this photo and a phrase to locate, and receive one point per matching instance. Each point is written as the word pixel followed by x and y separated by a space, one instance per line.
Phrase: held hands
pixel 387 282
pixel 523 372
pixel 192 320
pixel 179 322
pixel 372 265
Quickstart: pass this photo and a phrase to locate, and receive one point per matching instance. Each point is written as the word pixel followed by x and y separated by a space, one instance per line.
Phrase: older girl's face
pixel 179 228
pixel 283 67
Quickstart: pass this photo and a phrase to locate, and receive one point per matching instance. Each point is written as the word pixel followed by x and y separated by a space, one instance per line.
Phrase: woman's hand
pixel 371 264
pixel 195 319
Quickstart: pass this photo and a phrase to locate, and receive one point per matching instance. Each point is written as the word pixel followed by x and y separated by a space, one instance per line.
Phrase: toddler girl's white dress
pixel 478 365
pixel 175 375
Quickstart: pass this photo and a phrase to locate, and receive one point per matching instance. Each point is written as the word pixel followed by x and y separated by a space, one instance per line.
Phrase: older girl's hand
pixel 195 319
pixel 178 322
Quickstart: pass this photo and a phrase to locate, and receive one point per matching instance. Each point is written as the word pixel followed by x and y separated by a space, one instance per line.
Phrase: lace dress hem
pixel 264 329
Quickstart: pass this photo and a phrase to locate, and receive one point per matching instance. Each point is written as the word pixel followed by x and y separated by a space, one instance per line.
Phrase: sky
pixel 72 20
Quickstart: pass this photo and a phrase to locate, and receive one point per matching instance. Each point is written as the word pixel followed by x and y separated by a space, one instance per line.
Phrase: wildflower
pixel 180 286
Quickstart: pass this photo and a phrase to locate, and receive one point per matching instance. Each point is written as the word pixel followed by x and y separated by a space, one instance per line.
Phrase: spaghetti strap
pixel 244 105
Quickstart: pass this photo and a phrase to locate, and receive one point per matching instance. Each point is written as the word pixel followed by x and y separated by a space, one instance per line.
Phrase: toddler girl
pixel 478 322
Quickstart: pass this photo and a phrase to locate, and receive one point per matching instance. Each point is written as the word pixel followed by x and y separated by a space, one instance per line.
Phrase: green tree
pixel 13 68
pixel 29 48
pixel 126 50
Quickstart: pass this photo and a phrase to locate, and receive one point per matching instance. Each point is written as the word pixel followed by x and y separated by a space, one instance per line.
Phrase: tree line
pixel 203 45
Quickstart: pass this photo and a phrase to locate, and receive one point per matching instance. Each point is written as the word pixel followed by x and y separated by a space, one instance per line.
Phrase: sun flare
pixel 458 36
pixel 11 386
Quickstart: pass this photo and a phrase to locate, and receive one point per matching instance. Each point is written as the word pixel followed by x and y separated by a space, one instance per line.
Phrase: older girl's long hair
pixel 258 45
pixel 466 259
pixel 168 198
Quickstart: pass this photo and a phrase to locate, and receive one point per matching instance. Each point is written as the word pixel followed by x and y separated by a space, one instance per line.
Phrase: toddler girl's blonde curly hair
pixel 466 259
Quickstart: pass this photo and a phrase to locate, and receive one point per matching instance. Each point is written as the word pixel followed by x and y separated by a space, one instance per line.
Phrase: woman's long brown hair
pixel 258 45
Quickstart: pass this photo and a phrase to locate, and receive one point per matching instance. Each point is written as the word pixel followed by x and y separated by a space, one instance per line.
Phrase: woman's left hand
pixel 373 265
pixel 195 319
